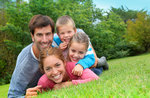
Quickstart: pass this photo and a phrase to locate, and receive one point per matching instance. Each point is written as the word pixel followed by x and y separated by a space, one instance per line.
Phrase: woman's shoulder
pixel 45 82
pixel 70 65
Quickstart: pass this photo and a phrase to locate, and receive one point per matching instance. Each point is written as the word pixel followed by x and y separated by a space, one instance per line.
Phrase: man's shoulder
pixel 25 56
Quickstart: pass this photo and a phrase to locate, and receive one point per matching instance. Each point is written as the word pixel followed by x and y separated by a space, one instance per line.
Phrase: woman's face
pixel 54 68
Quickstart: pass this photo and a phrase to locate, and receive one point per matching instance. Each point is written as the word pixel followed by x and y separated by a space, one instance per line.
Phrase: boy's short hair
pixel 64 20
pixel 39 21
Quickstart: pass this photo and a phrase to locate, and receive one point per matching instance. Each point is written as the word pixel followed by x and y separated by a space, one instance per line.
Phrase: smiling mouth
pixel 57 77
pixel 67 40
pixel 75 59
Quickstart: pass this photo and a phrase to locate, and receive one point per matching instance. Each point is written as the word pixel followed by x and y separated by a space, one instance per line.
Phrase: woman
pixel 58 72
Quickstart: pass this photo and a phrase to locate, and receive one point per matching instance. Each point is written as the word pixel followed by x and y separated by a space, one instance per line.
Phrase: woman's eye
pixel 48 69
pixel 57 65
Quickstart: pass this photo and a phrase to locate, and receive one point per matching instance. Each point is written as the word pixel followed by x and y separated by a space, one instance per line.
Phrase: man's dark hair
pixel 39 21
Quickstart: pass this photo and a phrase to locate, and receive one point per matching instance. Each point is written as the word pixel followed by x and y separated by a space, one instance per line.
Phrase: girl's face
pixel 77 51
pixel 54 68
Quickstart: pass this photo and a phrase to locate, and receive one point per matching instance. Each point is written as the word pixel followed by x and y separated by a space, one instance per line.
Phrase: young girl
pixel 58 72
pixel 77 50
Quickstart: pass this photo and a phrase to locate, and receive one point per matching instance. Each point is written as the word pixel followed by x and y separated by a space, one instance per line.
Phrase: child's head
pixel 52 64
pixel 78 46
pixel 65 27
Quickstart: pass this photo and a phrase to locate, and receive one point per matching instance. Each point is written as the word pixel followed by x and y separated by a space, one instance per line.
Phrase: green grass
pixel 4 91
pixel 127 77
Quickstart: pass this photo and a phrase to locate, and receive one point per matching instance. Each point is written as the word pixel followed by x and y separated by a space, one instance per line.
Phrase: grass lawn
pixel 127 77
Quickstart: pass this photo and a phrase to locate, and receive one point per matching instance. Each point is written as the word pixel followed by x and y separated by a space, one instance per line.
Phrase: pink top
pixel 86 76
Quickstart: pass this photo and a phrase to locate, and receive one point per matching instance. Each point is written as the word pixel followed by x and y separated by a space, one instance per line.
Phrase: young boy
pixel 65 27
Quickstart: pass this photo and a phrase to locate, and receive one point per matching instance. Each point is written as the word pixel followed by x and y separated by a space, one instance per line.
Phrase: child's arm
pixel 86 62
pixel 89 60
pixel 86 76
pixel 96 60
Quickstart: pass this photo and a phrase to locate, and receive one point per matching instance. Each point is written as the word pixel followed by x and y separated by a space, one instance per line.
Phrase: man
pixel 27 73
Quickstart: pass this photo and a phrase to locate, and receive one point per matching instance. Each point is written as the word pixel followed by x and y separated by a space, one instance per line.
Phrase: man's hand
pixel 77 70
pixel 32 92
pixel 62 85
pixel 63 46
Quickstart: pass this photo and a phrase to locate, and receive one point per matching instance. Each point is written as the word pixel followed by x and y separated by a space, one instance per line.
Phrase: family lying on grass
pixel 65 65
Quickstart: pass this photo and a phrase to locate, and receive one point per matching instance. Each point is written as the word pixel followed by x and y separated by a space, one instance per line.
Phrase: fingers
pixel 78 73
pixel 33 91
pixel 63 45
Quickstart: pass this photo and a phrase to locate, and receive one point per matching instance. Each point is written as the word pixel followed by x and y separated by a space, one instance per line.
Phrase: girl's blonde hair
pixel 47 52
pixel 80 37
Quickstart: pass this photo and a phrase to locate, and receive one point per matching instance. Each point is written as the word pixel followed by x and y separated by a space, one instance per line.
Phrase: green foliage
pixel 19 15
pixel 138 31
pixel 125 14
pixel 108 38
pixel 13 39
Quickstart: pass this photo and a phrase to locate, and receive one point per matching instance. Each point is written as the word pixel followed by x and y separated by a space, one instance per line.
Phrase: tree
pixel 108 37
pixel 125 14
pixel 138 31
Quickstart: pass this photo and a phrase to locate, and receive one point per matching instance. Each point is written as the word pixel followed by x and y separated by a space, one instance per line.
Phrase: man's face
pixel 66 32
pixel 42 37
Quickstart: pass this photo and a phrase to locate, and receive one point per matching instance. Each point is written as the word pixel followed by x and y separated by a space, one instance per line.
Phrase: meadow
pixel 126 77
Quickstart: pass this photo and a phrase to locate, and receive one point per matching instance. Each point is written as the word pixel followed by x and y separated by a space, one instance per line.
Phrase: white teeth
pixel 57 77
pixel 44 45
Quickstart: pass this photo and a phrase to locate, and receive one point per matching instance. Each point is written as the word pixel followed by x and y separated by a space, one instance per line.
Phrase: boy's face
pixel 66 32
pixel 77 51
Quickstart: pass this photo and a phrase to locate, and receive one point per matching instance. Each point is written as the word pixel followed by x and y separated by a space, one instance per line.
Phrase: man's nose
pixel 44 39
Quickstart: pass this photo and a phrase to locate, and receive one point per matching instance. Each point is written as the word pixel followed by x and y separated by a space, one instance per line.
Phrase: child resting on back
pixel 65 27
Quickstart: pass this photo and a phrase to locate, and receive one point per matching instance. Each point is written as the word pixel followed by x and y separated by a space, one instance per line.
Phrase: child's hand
pixel 63 46
pixel 77 70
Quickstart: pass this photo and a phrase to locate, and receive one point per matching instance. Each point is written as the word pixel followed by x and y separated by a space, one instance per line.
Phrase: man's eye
pixel 39 35
pixel 47 34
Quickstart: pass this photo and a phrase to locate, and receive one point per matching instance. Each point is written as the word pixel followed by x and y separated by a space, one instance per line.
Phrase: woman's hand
pixel 32 92
pixel 62 85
